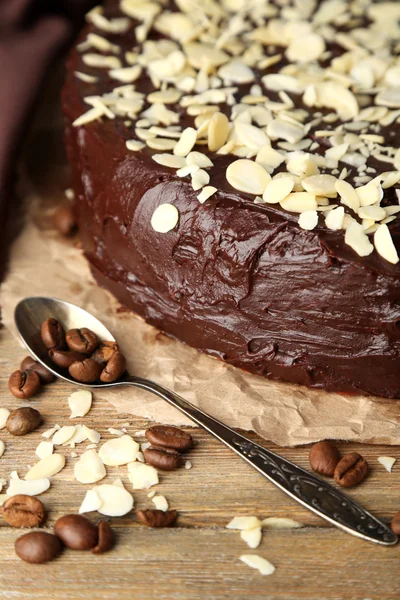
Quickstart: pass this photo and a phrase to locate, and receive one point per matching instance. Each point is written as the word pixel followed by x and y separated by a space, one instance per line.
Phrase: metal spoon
pixel 310 491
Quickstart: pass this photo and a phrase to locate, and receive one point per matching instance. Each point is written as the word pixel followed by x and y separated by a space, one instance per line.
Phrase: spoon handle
pixel 309 490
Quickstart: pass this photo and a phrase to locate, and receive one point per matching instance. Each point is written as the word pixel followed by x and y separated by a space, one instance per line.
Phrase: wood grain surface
pixel 198 558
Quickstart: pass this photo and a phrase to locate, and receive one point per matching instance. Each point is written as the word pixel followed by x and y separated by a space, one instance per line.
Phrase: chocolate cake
pixel 236 176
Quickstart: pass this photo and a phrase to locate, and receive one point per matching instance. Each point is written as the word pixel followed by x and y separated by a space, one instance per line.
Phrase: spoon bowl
pixel 312 492
pixel 31 312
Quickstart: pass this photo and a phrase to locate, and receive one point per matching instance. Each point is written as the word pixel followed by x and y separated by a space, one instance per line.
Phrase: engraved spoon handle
pixel 309 490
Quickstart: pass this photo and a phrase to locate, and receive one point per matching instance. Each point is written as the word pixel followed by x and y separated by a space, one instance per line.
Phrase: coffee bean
pixel 395 523
pixel 165 459
pixel 24 384
pixel 38 547
pixel 23 511
pixel 82 340
pixel 157 518
pixel 53 335
pixel 85 371
pixel 23 420
pixel 29 364
pixel 115 367
pixel 351 470
pixel 76 532
pixel 106 538
pixel 104 352
pixel 64 220
pixel 65 358
pixel 169 437
pixel 324 457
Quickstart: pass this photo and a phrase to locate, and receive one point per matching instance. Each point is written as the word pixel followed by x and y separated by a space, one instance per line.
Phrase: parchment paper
pixel 42 263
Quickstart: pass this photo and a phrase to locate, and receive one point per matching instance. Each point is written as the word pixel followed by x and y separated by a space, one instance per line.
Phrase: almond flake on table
pixel 140 457
pixel 160 502
pixel 384 244
pixel 4 413
pixel 89 468
pixel 188 464
pixel 280 523
pixel 46 467
pixel 115 501
pixel 258 562
pixel 144 446
pixel 63 435
pixel 151 494
pixel 91 434
pixel 91 502
pixel 142 476
pixel 79 436
pixel 74 455
pixel 118 482
pixel 252 537
pixel 165 218
pixel 387 462
pixel 308 219
pixel 117 432
pixel 2 448
pixel 44 449
pixel 119 451
pixel 49 432
pixel 80 403
pixel 29 488
pixel 243 523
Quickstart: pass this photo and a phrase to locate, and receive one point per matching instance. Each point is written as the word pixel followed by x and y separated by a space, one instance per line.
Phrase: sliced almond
pixel 369 194
pixel 4 413
pixel 257 562
pixel 188 464
pixel 218 131
pixel 92 435
pixel 126 74
pixel 247 176
pixel 320 185
pixel 44 449
pixel 269 158
pixel 165 218
pixel 243 523
pixel 80 403
pixel 299 202
pixel 63 435
pixel 119 451
pixel 356 238
pixel 347 194
pixel 374 213
pixel 46 467
pixel 161 143
pixel 115 501
pixel 251 136
pixel 334 218
pixel 199 159
pixel 2 448
pixel 308 219
pixel 100 61
pixel 186 142
pixel 206 193
pixel 30 488
pixel 134 145
pixel 384 244
pixel 169 160
pixel 91 502
pixel 252 537
pixel 160 503
pixel 142 476
pixel 49 432
pixel 79 436
pixel 387 462
pixel 280 523
pixel 200 178
pixel 306 48
pixel 277 190
pixel 89 468
pixel 117 432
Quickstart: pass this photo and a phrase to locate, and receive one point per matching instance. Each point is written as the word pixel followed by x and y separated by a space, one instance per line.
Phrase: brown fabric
pixel 32 33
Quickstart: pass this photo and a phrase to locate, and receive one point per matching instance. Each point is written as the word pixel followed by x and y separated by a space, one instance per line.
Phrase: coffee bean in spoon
pixel 65 358
pixel 23 420
pixel 114 369
pixel 165 459
pixel 104 352
pixel 76 532
pixel 85 371
pixel 29 364
pixel 169 437
pixel 82 340
pixel 53 334
pixel 24 384
pixel 23 511
pixel 38 547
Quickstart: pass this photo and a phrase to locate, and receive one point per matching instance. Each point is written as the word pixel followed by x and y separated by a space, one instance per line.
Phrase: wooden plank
pixel 199 558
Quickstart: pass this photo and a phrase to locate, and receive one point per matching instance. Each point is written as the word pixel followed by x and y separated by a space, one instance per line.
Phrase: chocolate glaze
pixel 237 280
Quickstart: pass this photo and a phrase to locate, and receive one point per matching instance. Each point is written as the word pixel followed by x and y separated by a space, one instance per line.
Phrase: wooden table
pixel 198 558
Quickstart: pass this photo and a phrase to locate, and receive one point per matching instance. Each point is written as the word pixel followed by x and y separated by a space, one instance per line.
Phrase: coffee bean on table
pixel 351 470
pixel 23 511
pixel 64 220
pixel 395 523
pixel 76 532
pixel 23 420
pixel 106 538
pixel 82 340
pixel 29 364
pixel 166 459
pixel 115 367
pixel 24 384
pixel 38 547
pixel 65 358
pixel 53 335
pixel 104 352
pixel 85 371
pixel 169 437
pixel 324 457
pixel 157 518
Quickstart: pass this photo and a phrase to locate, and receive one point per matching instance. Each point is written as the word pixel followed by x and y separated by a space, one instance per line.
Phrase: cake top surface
pixel 294 104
